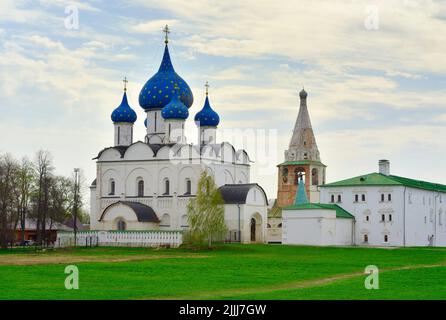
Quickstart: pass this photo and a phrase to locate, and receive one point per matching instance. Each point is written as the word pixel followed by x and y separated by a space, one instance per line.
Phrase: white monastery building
pixel 375 209
pixel 146 185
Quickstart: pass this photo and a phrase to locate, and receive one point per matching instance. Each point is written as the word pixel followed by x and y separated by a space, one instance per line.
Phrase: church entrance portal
pixel 253 230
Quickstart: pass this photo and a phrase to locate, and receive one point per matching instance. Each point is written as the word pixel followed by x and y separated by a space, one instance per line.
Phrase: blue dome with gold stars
pixel 159 89
pixel 175 109
pixel 207 116
pixel 124 113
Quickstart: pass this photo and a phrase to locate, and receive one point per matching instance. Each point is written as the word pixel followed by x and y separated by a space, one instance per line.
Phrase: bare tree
pixel 24 182
pixel 44 170
pixel 60 204
pixel 8 168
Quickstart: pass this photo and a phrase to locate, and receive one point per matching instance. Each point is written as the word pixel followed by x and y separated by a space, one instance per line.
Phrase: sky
pixel 375 73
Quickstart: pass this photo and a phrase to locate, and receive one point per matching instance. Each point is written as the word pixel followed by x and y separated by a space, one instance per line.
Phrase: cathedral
pixel 146 185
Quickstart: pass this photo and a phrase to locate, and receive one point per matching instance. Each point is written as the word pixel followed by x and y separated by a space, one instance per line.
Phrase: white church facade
pixel 146 185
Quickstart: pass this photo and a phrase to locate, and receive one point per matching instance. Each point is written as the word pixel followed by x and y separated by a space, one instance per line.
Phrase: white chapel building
pixel 146 185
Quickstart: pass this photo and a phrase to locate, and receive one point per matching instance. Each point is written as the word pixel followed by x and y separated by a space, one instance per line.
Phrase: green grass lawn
pixel 228 272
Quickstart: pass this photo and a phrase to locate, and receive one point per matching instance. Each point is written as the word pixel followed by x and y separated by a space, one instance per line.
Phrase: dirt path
pixel 287 286
pixel 32 259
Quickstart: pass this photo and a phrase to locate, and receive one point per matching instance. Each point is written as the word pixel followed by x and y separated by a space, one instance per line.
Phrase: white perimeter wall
pixel 318 227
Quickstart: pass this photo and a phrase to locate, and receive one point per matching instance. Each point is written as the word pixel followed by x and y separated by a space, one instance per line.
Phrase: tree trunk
pixel 22 227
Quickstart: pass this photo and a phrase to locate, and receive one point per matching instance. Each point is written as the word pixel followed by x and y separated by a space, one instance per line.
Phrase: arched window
pixel 389 197
pixel 166 187
pixel 339 198
pixel 112 186
pixel 299 173
pixel 363 197
pixel 332 198
pixel 382 197
pixel 356 198
pixel 184 221
pixel 314 177
pixel 121 225
pixel 386 238
pixel 141 188
pixel 366 238
pixel 188 187
pixel 165 220
pixel 285 175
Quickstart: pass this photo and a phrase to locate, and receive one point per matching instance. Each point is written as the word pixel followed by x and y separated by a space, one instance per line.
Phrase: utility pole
pixel 76 195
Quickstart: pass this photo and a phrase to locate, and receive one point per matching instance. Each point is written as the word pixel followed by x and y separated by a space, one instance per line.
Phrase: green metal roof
pixel 302 162
pixel 340 212
pixel 378 179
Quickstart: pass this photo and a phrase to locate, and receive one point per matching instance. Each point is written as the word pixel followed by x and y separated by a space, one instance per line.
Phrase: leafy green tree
pixel 206 212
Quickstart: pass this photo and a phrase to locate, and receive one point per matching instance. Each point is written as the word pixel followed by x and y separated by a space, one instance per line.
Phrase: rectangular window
pixel 119 134
pixel 363 197
pixel 383 218
pixel 356 198
pixel 155 120
pixel 389 197
pixel 382 197
pixel 390 217
pixel 386 238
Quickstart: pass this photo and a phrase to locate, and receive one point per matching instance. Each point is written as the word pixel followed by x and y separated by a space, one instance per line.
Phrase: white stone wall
pixel 120 238
pixel 318 227
pixel 175 131
pixel 123 134
pixel 274 230
pixel 155 122
pixel 407 217
pixel 207 135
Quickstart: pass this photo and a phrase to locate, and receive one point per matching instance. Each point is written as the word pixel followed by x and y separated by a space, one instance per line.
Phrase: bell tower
pixel 302 161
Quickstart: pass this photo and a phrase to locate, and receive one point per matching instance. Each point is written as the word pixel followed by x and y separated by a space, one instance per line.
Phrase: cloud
pixel 81 5
pixel 153 26
pixel 326 31
pixel 372 94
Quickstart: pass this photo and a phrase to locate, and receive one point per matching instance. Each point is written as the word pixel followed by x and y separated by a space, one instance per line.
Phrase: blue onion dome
pixel 145 122
pixel 159 89
pixel 124 113
pixel 175 109
pixel 207 116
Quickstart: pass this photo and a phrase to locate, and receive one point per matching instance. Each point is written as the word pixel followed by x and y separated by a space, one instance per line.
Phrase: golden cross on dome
pixel 207 87
pixel 125 83
pixel 166 30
